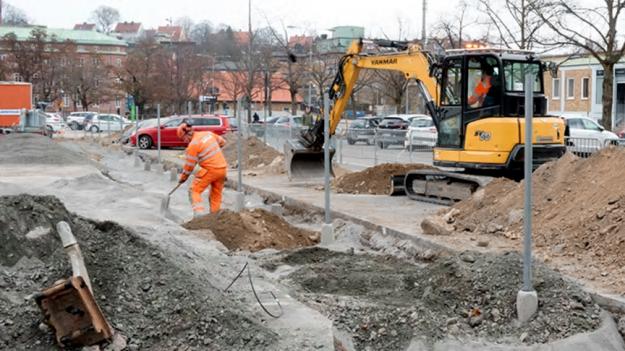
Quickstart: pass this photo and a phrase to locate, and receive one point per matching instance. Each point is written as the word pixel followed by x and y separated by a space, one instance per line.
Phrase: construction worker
pixel 482 87
pixel 204 149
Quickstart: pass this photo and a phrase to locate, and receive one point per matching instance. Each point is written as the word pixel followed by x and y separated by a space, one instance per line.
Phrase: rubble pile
pixel 256 154
pixel 374 180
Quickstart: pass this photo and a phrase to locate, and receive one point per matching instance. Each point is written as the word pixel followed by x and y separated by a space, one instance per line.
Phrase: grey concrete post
pixel 527 298
pixel 239 203
pixel 137 159
pixel 327 235
pixel 147 166
pixel 158 132
pixel 375 147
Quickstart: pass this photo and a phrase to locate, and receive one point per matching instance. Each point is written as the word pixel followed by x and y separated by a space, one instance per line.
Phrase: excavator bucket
pixel 303 163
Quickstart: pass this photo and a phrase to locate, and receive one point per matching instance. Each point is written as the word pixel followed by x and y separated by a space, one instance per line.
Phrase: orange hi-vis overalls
pixel 205 150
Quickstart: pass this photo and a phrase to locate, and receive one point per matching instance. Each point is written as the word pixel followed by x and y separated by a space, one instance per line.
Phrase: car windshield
pixel 391 121
pixel 357 124
pixel 297 120
pixel 421 123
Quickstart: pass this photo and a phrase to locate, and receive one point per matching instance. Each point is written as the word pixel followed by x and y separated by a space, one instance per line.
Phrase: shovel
pixel 165 202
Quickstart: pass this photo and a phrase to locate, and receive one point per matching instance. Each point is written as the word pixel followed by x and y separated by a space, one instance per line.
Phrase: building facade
pixel 577 90
pixel 90 48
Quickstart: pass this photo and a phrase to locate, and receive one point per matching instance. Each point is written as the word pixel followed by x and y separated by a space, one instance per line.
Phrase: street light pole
pixel 310 85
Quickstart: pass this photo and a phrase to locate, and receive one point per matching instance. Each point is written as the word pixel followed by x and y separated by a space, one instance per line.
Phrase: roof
pixel 241 38
pixel 302 40
pixel 77 36
pixel 127 27
pixel 576 60
pixel 224 79
pixel 84 26
pixel 174 32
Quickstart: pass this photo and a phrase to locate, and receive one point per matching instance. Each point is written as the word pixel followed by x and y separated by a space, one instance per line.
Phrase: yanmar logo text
pixel 387 61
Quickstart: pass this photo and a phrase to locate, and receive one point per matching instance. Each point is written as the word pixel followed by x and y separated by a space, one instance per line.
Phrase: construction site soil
pixel 579 212
pixel 253 230
pixel 374 180
pixel 384 302
pixel 255 153
pixel 145 296
pixel 33 149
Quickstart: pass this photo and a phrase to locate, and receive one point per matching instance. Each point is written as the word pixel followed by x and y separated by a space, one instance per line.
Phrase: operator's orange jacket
pixel 204 150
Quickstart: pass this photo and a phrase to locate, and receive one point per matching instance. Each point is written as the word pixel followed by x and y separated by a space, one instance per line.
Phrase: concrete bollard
pixel 526 305
pixel 173 174
pixel 239 201
pixel 148 165
pixel 137 160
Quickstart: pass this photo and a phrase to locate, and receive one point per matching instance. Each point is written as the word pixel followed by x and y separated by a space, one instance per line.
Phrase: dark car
pixel 391 131
pixel 362 129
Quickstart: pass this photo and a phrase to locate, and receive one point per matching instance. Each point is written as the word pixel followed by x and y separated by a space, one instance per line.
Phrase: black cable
pixel 249 275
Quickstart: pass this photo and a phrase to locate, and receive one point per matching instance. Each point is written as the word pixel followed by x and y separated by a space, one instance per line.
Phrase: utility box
pixel 15 97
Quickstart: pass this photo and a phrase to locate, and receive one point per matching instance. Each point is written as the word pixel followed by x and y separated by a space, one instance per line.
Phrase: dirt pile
pixel 255 154
pixel 579 208
pixel 144 296
pixel 35 149
pixel 253 230
pixel 373 180
pixel 384 302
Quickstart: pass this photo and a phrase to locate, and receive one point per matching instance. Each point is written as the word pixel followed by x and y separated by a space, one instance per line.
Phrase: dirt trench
pixel 383 302
pixel 144 295
pixel 253 230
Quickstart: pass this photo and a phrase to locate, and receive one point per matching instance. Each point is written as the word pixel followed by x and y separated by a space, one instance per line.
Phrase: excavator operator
pixel 482 87
pixel 204 149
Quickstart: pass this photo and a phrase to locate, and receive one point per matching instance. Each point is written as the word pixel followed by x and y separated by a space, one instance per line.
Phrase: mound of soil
pixel 383 302
pixel 144 296
pixel 255 153
pixel 579 208
pixel 373 180
pixel 253 230
pixel 35 149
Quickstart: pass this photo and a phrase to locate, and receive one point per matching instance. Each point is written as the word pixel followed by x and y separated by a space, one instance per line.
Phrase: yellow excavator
pixel 476 99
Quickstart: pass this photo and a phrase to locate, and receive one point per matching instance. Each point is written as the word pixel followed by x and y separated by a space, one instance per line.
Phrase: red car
pixel 148 136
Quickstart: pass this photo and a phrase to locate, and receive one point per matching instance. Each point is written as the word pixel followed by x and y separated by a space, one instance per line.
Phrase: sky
pixel 380 19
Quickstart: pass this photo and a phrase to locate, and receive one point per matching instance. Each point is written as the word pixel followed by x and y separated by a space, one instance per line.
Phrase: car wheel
pixel 73 126
pixel 49 131
pixel 381 145
pixel 94 129
pixel 145 142
pixel 369 142
pixel 351 141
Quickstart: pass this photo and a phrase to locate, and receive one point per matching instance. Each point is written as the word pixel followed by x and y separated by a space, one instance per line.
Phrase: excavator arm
pixel 414 63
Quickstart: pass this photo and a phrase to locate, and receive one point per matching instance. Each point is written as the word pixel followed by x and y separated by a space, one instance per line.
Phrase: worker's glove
pixel 183 178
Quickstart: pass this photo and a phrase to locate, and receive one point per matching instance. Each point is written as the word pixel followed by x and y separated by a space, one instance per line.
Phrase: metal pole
pixel 375 147
pixel 189 109
pixel 158 132
pixel 326 155
pixel 239 203
pixel 527 218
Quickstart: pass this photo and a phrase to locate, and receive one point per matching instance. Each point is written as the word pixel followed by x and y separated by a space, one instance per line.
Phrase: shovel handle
pixel 174 189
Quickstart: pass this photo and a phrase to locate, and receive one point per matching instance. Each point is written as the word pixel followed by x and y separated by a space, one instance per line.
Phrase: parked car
pixel 289 121
pixel 75 119
pixel 54 122
pixel 104 122
pixel 391 131
pixel 586 136
pixel 131 131
pixel 421 133
pixel 147 136
pixel 362 129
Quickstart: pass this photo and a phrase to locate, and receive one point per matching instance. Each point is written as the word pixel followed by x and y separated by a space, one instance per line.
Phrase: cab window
pixel 453 83
pixel 483 82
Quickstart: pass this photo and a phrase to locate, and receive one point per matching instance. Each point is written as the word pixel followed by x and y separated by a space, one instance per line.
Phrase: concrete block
pixel 137 161
pixel 526 305
pixel 239 201
pixel 173 174
pixel 327 234
pixel 277 209
pixel 148 165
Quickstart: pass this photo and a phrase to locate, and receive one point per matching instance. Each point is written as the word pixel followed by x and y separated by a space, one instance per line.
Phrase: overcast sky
pixel 377 17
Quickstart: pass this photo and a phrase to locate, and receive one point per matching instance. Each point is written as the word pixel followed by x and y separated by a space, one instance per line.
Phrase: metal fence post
pixel 158 133
pixel 410 147
pixel 239 203
pixel 375 147
pixel 527 298
pixel 326 229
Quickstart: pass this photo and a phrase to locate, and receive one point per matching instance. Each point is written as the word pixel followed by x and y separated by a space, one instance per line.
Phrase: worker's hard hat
pixel 183 129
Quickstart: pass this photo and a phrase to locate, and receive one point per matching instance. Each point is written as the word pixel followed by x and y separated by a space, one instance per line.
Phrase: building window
pixel 570 88
pixel 66 101
pixel 556 89
pixel 117 103
pixel 119 62
pixel 585 88
pixel 17 77
pixel 81 62
pixel 599 88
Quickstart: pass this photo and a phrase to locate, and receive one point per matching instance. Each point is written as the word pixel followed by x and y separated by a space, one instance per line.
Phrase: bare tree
pixel 449 32
pixel 105 17
pixel 186 23
pixel 26 57
pixel 233 83
pixel 12 16
pixel 87 79
pixel 516 22
pixel 600 37
pixel 183 81
pixel 202 35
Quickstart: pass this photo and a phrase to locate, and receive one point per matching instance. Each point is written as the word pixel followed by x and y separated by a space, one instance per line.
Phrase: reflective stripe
pixel 185 172
pixel 208 156
pixel 206 138
pixel 190 163
pixel 189 157
pixel 208 149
